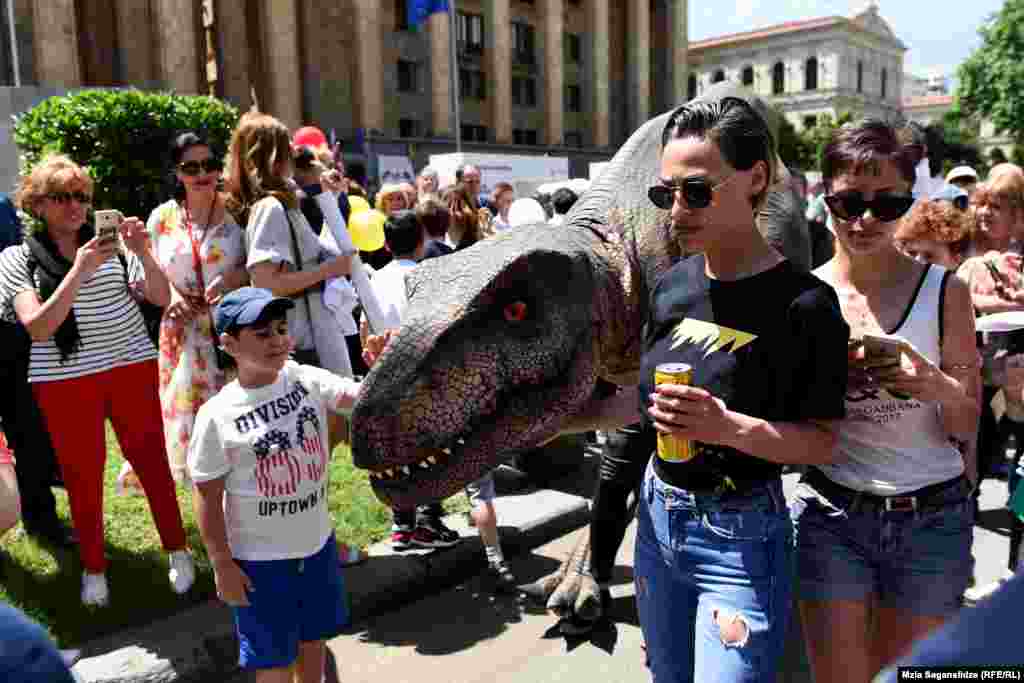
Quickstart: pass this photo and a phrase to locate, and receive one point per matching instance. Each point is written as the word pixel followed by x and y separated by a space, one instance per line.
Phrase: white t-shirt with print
pixel 271 445
pixel 389 285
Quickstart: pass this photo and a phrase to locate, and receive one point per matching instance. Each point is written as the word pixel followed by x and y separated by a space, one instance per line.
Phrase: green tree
pixel 991 80
pixel 123 137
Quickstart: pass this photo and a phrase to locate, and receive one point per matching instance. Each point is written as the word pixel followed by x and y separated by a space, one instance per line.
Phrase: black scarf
pixel 46 259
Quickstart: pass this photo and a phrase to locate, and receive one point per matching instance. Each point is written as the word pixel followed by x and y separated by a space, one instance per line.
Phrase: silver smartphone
pixel 108 224
pixel 883 350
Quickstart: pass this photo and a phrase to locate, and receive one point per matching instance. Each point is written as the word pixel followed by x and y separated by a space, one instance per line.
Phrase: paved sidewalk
pixel 199 644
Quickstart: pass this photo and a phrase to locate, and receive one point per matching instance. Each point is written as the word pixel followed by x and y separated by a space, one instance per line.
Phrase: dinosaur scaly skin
pixel 461 384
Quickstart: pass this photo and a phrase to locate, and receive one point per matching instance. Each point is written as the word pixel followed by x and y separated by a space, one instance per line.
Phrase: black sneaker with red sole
pixel 424 536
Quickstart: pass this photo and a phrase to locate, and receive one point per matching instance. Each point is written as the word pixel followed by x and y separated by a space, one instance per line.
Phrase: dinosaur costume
pixel 505 341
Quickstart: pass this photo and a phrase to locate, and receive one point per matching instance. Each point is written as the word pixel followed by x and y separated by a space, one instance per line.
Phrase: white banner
pixel 395 170
pixel 495 168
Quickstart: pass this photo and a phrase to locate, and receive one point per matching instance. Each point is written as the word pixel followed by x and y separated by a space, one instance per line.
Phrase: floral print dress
pixel 189 375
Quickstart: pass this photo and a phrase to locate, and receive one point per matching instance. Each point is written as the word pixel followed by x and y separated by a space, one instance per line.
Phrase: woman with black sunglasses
pixel 767 350
pixel 884 531
pixel 201 249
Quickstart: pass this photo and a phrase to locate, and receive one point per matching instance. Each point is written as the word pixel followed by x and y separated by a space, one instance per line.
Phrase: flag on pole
pixel 419 10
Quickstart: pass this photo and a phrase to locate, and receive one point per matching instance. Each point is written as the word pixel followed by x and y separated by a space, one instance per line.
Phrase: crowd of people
pixel 225 336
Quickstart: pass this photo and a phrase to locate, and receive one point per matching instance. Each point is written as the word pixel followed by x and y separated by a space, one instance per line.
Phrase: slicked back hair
pixel 736 129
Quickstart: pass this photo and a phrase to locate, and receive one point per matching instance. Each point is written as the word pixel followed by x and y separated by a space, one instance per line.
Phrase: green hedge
pixel 123 137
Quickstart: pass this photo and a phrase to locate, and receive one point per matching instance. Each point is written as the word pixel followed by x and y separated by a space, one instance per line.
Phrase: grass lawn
pixel 45 583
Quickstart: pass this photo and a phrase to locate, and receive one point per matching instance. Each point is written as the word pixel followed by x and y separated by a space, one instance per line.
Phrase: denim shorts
pixel 850 548
pixel 292 602
pixel 701 559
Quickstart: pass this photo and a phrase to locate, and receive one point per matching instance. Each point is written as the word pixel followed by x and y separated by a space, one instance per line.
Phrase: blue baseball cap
pixel 956 196
pixel 246 306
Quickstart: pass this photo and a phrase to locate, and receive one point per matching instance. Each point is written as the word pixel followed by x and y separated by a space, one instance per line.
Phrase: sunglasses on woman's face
pixel 698 193
pixel 194 168
pixel 65 197
pixel 850 206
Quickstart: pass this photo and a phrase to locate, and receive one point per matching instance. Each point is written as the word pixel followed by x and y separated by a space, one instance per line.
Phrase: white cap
pixel 962 172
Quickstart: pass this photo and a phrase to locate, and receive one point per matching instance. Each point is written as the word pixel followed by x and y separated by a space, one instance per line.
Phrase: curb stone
pixel 199 644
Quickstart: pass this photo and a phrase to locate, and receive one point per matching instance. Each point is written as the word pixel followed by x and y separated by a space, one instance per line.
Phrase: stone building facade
pixel 808 68
pixel 565 77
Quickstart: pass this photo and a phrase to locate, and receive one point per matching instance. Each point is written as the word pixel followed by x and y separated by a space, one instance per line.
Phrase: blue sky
pixel 939 34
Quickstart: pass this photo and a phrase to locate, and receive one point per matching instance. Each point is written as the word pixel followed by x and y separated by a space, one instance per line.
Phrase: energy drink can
pixel 672 448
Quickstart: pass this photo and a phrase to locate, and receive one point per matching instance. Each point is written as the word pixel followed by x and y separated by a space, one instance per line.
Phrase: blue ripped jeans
pixel 702 562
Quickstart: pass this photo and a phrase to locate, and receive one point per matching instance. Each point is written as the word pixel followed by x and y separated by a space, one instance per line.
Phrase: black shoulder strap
pixel 942 306
pixel 297 258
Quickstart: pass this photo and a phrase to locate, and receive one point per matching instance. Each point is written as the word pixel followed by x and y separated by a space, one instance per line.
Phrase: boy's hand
pixel 374 346
pixel 233 586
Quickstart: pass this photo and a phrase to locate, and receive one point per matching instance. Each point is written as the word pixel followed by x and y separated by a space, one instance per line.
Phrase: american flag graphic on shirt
pixel 278 470
pixel 308 428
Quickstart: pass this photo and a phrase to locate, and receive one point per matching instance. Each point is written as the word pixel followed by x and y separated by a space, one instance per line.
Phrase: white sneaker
pixel 94 590
pixel 183 571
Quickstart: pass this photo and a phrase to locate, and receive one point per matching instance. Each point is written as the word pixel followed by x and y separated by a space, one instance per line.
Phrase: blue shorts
pixel 482 490
pixel 849 547
pixel 293 601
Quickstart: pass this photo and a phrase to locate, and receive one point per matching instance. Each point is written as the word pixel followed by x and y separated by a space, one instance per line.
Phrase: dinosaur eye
pixel 516 311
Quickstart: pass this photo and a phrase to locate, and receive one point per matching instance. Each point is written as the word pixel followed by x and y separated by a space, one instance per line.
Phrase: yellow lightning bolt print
pixel 709 336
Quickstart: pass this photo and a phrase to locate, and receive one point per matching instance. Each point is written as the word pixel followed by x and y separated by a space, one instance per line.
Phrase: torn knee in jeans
pixel 732 628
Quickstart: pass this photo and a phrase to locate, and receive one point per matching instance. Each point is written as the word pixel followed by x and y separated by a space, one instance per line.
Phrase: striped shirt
pixel 109 321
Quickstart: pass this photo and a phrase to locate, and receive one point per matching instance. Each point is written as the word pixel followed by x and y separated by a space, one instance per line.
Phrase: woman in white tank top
pixel 884 531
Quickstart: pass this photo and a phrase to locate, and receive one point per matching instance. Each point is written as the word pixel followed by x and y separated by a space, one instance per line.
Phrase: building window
pixel 524 137
pixel 573 139
pixel 573 48
pixel 522 43
pixel 691 87
pixel 573 98
pixel 778 79
pixel 718 77
pixel 473 133
pixel 408 128
pixel 401 15
pixel 860 76
pixel 472 84
pixel 408 76
pixel 811 74
pixel 810 122
pixel 885 79
pixel 471 32
pixel 524 91
pixel 748 76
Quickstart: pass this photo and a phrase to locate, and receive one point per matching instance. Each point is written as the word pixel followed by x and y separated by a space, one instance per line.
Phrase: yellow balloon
pixel 367 229
pixel 357 204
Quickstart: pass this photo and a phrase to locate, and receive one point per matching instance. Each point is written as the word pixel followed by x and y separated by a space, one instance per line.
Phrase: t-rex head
pixel 505 340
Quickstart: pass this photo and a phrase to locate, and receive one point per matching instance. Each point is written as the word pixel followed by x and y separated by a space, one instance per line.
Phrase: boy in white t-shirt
pixel 258 459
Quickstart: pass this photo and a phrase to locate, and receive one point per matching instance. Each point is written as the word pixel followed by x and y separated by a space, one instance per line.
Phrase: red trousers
pixel 75 411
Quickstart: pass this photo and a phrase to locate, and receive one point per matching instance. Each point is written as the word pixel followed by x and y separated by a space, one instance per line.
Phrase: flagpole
pixel 454 74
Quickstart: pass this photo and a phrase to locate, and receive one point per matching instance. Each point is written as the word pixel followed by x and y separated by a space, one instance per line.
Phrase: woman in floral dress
pixel 193 227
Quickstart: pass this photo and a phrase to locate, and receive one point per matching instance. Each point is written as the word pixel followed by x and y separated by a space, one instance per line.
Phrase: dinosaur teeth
pixel 389 473
pixel 446 451
pixel 406 470
pixel 424 465
pixel 432 460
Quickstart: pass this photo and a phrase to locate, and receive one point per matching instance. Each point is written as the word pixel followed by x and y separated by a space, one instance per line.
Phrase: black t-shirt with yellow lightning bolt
pixel 772 346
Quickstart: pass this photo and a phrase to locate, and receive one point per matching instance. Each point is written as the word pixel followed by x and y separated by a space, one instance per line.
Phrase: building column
pixel 554 71
pixel 638 32
pixel 236 77
pixel 56 43
pixel 439 28
pixel 601 64
pixel 283 70
pixel 680 41
pixel 498 26
pixel 180 60
pixel 135 30
pixel 370 63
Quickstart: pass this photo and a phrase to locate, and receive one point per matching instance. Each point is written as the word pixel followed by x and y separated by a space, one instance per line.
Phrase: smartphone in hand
pixel 884 352
pixel 108 224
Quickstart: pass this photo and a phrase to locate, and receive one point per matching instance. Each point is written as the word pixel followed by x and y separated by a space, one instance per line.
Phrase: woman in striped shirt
pixel 91 358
